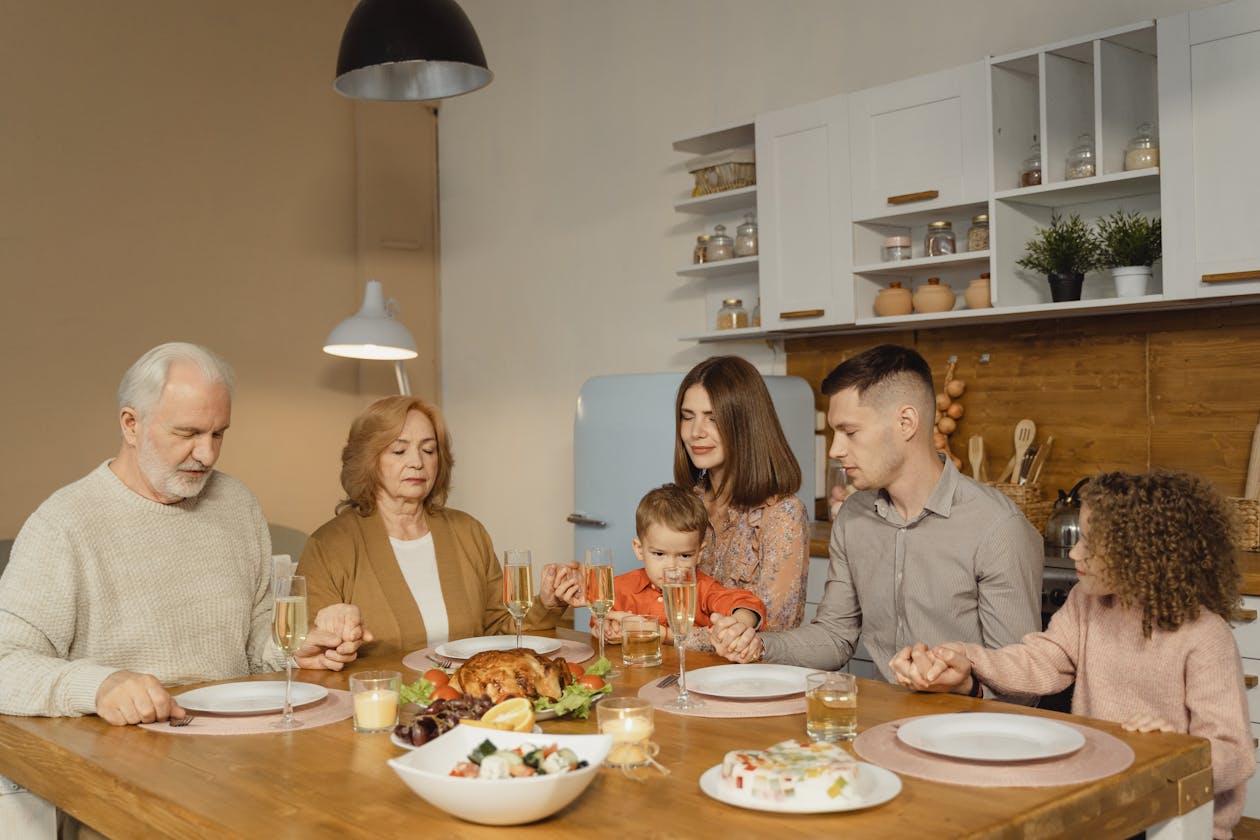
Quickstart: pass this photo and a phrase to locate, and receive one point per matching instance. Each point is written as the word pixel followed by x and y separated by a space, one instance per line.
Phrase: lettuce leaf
pixel 419 692
pixel 600 667
pixel 575 701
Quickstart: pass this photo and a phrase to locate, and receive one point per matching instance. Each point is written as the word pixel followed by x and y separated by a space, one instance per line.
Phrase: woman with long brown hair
pixel 420 572
pixel 732 450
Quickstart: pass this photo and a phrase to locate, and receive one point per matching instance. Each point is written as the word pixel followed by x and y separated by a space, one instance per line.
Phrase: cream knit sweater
pixel 1190 677
pixel 102 579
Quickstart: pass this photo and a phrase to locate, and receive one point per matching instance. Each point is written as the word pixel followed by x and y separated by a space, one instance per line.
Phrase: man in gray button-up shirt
pixel 920 552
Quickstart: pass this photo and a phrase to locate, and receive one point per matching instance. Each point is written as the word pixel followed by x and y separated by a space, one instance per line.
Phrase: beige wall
pixel 185 171
pixel 559 242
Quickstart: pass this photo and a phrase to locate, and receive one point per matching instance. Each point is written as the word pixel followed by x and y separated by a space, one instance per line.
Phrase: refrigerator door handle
pixel 580 518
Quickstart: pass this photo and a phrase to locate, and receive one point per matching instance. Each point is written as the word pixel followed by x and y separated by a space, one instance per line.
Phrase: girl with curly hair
pixel 1144 633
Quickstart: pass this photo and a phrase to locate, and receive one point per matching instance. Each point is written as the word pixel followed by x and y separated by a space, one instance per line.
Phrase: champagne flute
pixel 680 611
pixel 599 591
pixel 518 585
pixel 288 628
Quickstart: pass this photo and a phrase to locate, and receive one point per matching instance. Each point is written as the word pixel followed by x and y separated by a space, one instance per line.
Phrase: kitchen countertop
pixel 1248 561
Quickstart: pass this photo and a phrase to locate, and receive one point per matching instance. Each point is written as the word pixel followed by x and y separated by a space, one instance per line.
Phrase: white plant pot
pixel 1131 280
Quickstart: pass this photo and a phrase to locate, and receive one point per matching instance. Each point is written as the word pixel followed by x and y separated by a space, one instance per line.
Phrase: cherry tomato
pixel 575 669
pixel 446 693
pixel 437 676
pixel 591 681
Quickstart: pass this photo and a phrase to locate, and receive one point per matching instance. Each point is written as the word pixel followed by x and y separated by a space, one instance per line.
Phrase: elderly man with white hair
pixel 152 570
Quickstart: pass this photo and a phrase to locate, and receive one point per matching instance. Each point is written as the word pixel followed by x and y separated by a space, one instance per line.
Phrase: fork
pixel 184 721
pixel 666 682
pixel 440 661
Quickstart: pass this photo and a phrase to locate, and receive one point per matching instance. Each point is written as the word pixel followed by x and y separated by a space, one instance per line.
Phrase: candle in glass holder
pixel 375 700
pixel 628 721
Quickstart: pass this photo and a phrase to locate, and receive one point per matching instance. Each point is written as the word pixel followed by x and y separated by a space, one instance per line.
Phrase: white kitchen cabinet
pixel 1210 66
pixel 803 216
pixel 725 279
pixel 920 144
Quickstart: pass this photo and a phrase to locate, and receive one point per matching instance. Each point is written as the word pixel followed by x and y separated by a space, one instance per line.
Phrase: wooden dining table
pixel 329 781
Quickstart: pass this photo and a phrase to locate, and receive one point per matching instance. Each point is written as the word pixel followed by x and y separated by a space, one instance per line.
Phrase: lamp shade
pixel 409 50
pixel 371 333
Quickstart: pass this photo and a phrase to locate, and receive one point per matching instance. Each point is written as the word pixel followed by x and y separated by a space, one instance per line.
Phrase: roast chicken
pixel 520 672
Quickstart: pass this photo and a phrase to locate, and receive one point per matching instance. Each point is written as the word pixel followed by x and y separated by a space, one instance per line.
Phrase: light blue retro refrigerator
pixel 623 441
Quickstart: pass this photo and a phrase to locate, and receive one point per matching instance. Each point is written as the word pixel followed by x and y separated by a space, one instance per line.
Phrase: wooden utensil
pixel 1034 471
pixel 1252 489
pixel 1025 433
pixel 975 456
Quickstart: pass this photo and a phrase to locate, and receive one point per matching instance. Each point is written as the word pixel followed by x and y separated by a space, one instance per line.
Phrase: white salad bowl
pixel 427 771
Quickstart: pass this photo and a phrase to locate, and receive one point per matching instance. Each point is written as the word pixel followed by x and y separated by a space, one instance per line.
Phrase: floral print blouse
pixel 765 550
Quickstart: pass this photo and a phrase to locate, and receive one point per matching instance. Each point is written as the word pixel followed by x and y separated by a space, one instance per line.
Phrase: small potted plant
pixel 1129 244
pixel 1064 252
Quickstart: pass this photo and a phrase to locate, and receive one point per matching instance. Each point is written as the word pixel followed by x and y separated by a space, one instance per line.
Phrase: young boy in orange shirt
pixel 670 524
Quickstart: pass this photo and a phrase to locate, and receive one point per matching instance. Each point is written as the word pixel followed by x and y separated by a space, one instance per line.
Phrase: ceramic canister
pixel 893 301
pixel 977 293
pixel 933 296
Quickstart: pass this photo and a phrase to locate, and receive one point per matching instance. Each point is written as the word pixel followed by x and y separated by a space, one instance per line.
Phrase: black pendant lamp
pixel 410 50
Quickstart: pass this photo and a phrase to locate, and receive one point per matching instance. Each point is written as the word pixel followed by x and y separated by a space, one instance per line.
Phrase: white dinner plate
pixel 748 682
pixel 875 786
pixel 248 698
pixel 467 648
pixel 988 736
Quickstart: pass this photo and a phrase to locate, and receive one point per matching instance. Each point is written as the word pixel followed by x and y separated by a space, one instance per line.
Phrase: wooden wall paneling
pixel 1178 389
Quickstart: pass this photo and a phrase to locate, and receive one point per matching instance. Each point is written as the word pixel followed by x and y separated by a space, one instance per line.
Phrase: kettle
pixel 1064 527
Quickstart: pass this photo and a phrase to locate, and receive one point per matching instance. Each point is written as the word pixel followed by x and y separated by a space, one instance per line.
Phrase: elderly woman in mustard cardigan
pixel 421 573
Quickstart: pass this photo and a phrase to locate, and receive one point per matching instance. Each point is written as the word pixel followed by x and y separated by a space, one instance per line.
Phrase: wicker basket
pixel 728 170
pixel 1248 513
pixel 1027 497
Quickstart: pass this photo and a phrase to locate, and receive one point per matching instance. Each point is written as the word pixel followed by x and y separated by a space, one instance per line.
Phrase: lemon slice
pixel 516 714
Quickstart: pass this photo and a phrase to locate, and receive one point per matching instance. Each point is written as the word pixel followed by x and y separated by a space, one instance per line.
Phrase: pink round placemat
pixel 1102 755
pixel 571 651
pixel 718 708
pixel 337 706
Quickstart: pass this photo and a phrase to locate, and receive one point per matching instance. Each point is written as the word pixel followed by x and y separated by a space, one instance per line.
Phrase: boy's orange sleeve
pixel 714 597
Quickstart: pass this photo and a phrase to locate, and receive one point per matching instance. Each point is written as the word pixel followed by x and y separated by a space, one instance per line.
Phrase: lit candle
pixel 630 737
pixel 376 709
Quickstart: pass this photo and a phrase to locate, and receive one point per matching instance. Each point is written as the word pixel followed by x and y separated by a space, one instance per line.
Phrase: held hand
pixel 945 668
pixel 561 584
pixel 346 622
pixel 735 640
pixel 325 651
pixel 127 697
pixel 1147 723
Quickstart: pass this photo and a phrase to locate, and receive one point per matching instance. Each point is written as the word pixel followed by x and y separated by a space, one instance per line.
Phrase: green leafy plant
pixel 1126 239
pixel 1066 247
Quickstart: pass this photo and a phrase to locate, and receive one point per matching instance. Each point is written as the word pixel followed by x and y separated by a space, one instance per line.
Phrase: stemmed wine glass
pixel 518 585
pixel 288 628
pixel 680 610
pixel 599 591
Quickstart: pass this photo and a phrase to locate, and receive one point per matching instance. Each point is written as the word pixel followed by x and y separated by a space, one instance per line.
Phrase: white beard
pixel 167 480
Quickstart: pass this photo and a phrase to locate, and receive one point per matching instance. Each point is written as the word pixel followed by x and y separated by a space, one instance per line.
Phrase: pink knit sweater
pixel 1191 678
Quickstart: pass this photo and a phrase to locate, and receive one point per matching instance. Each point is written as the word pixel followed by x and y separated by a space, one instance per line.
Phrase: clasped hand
pixel 942 668
pixel 734 639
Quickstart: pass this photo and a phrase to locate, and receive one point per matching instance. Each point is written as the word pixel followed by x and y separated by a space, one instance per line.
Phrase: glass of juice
pixel 831 706
pixel 640 640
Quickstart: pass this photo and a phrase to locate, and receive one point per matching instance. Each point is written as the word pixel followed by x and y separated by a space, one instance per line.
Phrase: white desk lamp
pixel 372 333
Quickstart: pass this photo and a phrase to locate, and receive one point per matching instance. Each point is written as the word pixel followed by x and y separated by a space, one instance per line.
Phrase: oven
pixel 1058 576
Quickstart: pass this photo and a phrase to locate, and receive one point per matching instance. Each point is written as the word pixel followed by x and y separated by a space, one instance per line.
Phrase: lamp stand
pixel 404 382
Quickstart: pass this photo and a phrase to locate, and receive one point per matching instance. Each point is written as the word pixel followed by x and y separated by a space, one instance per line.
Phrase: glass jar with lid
pixel 746 237
pixel 896 248
pixel 1080 159
pixel 700 253
pixel 978 234
pixel 720 246
pixel 732 315
pixel 1030 171
pixel 940 239
pixel 1143 150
